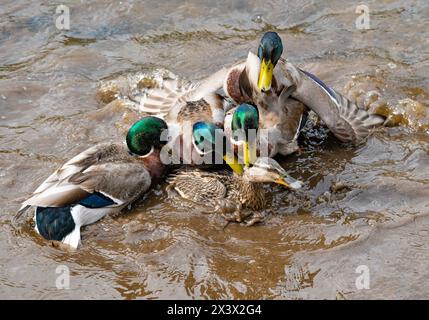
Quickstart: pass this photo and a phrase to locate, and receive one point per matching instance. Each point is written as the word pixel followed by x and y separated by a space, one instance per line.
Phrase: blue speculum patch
pixel 96 200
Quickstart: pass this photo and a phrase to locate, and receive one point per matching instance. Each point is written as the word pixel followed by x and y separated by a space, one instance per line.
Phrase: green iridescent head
pixel 245 118
pixel 269 52
pixel 270 47
pixel 207 137
pixel 145 135
pixel 244 125
pixel 204 136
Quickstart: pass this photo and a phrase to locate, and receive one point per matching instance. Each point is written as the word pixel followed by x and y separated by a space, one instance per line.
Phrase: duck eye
pixel 260 51
pixel 200 142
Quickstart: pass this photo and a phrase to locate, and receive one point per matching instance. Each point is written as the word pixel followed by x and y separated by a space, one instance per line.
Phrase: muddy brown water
pixel 312 241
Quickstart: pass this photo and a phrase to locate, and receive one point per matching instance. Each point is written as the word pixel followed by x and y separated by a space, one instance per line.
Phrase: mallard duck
pixel 177 104
pixel 101 180
pixel 225 191
pixel 181 105
pixel 275 135
pixel 229 193
pixel 241 125
pixel 280 93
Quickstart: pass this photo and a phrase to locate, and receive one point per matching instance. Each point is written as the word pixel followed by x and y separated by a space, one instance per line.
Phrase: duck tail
pixel 21 210
pixel 73 238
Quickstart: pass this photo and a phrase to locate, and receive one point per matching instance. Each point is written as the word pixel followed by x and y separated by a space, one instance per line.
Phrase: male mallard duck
pixel 177 105
pixel 101 180
pixel 241 125
pixel 181 105
pixel 276 134
pixel 258 81
pixel 224 191
pixel 280 94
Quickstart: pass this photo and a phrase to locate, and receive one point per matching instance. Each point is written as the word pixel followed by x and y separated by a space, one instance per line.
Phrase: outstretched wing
pixel 344 118
pixel 175 93
pixel 160 101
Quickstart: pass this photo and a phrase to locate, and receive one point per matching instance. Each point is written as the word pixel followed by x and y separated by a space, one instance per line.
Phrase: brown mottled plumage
pixel 229 192
pixel 219 190
pixel 194 111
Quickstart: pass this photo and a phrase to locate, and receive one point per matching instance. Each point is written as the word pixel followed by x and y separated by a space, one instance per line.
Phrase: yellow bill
pixel 249 152
pixel 265 75
pixel 233 163
pixel 289 182
pixel 246 157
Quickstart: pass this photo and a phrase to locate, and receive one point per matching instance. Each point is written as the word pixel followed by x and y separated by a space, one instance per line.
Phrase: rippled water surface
pixel 365 205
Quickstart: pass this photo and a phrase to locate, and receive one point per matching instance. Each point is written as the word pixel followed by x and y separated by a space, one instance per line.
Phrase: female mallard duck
pixel 228 192
pixel 101 180
pixel 225 191
pixel 258 81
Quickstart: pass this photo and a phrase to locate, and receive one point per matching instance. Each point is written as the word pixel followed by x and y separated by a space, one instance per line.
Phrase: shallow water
pixel 312 241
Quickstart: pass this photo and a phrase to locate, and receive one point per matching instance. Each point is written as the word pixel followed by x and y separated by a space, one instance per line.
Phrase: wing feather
pixel 93 170
pixel 344 118
pixel 198 186
pixel 175 93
